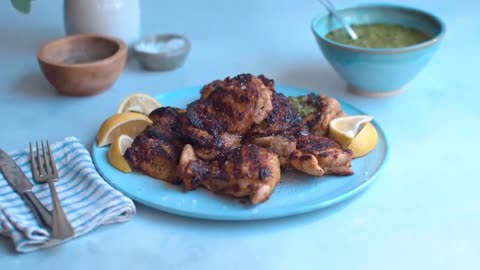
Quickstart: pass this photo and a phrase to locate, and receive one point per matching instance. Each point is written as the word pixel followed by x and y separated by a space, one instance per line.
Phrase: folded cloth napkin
pixel 88 201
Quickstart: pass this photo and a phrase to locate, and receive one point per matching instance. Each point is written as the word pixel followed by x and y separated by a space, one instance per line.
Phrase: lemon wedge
pixel 354 132
pixel 344 129
pixel 365 141
pixel 140 103
pixel 115 154
pixel 128 123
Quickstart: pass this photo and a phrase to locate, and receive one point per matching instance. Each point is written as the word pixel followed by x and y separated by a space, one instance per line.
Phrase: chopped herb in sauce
pixel 380 35
pixel 302 107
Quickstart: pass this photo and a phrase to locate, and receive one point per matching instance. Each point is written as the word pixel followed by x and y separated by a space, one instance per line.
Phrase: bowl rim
pixel 435 39
pixel 122 50
pixel 185 49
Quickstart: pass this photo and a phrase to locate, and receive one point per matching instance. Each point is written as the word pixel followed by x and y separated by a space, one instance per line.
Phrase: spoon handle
pixel 329 6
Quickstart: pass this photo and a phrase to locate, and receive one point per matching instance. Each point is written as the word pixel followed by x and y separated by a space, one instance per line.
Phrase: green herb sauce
pixel 301 106
pixel 380 36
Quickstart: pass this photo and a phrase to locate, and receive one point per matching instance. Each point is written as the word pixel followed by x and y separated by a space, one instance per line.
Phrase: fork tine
pixel 34 163
pixel 48 168
pixel 52 161
pixel 41 170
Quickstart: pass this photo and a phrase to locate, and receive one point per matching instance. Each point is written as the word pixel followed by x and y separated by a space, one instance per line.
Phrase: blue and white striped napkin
pixel 88 201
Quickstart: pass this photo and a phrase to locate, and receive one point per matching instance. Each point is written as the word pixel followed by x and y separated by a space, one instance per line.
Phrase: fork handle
pixel 39 211
pixel 61 228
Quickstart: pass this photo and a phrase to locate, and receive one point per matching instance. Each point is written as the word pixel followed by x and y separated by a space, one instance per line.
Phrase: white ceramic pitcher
pixel 118 18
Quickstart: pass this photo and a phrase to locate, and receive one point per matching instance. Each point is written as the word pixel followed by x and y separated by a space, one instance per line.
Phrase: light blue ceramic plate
pixel 296 193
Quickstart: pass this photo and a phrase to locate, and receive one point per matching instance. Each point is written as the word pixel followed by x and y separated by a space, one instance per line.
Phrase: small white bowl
pixel 162 52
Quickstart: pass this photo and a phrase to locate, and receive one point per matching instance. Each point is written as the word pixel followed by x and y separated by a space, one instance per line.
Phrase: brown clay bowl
pixel 82 65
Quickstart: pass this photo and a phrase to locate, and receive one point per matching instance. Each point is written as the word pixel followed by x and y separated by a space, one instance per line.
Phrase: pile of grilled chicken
pixel 237 138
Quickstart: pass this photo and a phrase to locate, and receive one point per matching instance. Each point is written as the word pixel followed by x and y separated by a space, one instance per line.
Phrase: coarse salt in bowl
pixel 162 52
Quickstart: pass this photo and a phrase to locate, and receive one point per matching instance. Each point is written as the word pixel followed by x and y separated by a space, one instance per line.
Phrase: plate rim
pixel 275 214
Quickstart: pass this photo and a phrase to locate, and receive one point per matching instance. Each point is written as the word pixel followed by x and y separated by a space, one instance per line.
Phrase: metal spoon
pixel 331 8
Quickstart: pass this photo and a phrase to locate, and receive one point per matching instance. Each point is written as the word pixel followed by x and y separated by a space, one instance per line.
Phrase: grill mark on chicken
pixel 156 157
pixel 316 155
pixel 264 173
pixel 156 150
pixel 284 119
pixel 219 112
pixel 237 163
pixel 279 130
pixel 313 120
pixel 233 177
pixel 199 170
pixel 194 135
pixel 283 112
pixel 221 168
pixel 253 155
pixel 283 146
pixel 227 109
pixel 325 109
pixel 305 158
pixel 197 118
pixel 315 143
pixel 157 133
pixel 166 115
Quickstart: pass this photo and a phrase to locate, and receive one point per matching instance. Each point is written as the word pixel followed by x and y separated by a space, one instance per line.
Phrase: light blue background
pixel 423 212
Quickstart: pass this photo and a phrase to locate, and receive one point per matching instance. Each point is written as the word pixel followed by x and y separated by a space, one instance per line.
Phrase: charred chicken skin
pixel 227 109
pixel 246 171
pixel 231 105
pixel 279 129
pixel 284 119
pixel 318 111
pixel 156 150
pixel 316 155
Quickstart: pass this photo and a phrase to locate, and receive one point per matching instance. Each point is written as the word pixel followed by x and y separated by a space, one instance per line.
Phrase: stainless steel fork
pixel 45 170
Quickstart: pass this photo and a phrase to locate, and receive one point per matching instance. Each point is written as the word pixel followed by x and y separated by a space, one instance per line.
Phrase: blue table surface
pixel 423 211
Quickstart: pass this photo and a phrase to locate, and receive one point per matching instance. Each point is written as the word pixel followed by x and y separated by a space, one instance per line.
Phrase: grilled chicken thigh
pixel 283 119
pixel 166 116
pixel 279 129
pixel 280 145
pixel 318 111
pixel 216 123
pixel 156 150
pixel 209 146
pixel 233 96
pixel 231 105
pixel 316 155
pixel 247 171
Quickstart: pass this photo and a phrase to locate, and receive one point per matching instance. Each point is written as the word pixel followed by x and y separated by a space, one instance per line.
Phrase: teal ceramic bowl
pixel 379 71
